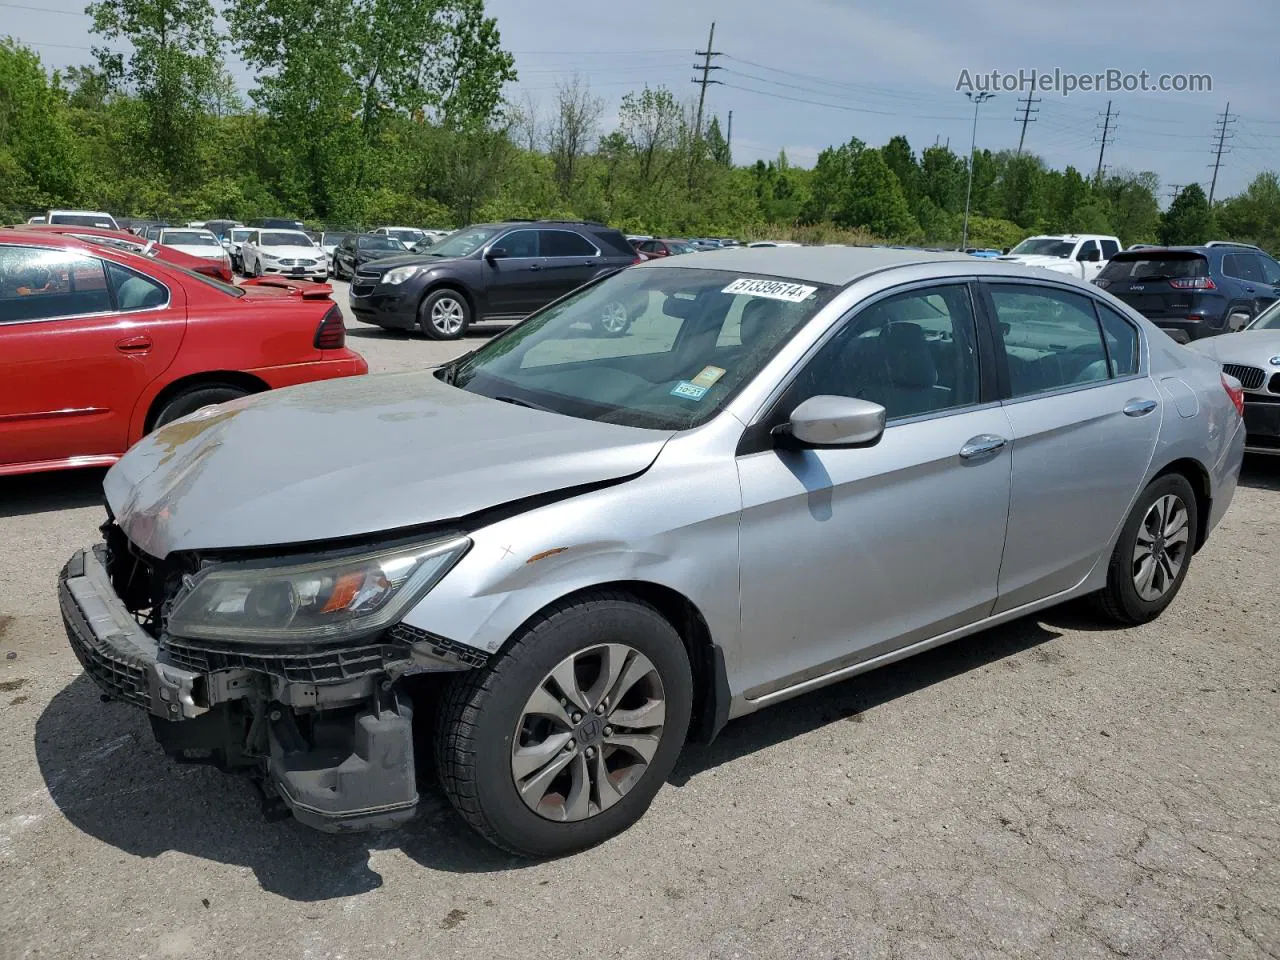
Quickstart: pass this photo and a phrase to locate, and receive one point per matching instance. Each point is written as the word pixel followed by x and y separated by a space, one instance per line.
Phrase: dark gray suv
pixel 489 272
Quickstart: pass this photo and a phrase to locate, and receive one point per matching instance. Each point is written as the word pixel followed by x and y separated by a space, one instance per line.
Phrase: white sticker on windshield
pixel 772 289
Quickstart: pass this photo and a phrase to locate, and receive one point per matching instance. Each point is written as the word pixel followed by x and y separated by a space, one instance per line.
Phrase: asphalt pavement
pixel 1049 789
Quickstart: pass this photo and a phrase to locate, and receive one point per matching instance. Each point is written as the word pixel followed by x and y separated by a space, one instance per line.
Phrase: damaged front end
pixel 287 669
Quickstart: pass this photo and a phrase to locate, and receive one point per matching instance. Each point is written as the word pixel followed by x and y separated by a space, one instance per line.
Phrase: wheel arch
pixel 711 696
pixel 448 283
pixel 1198 476
pixel 205 378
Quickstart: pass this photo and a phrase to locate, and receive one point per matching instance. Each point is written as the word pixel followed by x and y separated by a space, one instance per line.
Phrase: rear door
pixel 569 261
pixel 515 284
pixel 1084 418
pixel 79 340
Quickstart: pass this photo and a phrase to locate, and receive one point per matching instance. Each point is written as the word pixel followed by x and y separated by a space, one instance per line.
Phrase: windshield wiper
pixel 525 403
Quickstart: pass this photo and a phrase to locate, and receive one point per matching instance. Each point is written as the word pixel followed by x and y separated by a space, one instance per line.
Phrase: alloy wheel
pixel 447 315
pixel 614 317
pixel 1164 537
pixel 588 731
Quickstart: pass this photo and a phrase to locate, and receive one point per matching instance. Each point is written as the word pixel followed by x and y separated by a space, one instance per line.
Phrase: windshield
pixel 463 242
pixel 380 242
pixel 188 238
pixel 657 347
pixel 408 236
pixel 240 236
pixel 285 239
pixel 332 239
pixel 1044 247
pixel 1268 319
pixel 79 220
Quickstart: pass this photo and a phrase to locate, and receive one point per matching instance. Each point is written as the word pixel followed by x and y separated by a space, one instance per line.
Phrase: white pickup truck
pixel 1081 255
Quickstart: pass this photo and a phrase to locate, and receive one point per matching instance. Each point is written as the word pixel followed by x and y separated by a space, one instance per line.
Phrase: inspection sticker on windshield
pixel 773 289
pixel 690 391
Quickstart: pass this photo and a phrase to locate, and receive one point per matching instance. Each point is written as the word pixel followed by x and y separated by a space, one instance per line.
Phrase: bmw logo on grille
pixel 1274 361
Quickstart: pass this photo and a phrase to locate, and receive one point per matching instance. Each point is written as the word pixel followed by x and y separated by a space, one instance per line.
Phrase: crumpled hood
pixel 1254 348
pixel 1036 260
pixel 350 457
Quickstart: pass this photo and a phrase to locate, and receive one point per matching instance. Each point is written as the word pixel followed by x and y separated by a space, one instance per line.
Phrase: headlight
pixel 399 274
pixel 269 256
pixel 326 599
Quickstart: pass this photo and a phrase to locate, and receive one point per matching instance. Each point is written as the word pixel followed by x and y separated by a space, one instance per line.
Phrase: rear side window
pixel 1242 266
pixel 1122 341
pixel 133 291
pixel 1051 338
pixel 37 284
pixel 564 243
pixel 1169 267
pixel 1088 251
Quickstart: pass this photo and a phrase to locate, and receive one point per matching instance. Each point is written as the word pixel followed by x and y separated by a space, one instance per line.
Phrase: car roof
pixel 1155 250
pixel 835 266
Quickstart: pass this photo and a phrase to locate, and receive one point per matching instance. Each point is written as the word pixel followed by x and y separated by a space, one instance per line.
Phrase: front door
pixel 1085 420
pixel 847 554
pixel 515 283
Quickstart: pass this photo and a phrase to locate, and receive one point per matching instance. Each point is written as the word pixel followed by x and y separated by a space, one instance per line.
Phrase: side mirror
pixel 828 421
pixel 496 253
pixel 1005 252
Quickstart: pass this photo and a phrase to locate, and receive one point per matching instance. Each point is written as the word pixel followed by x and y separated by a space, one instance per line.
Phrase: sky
pixel 800 75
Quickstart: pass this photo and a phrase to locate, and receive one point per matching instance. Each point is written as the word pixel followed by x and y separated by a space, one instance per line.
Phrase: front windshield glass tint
pixel 407 236
pixel 333 239
pixel 380 242
pixel 658 347
pixel 463 242
pixel 188 238
pixel 1268 319
pixel 1044 247
pixel 240 236
pixel 286 239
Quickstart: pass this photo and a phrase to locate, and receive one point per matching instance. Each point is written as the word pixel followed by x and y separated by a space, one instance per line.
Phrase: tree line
pixel 378 111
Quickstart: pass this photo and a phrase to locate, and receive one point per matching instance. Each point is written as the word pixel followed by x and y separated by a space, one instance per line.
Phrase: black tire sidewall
pixel 1122 586
pixel 636 625
pixel 424 314
pixel 189 401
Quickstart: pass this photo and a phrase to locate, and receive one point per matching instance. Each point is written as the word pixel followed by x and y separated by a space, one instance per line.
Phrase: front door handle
pixel 139 344
pixel 1139 408
pixel 535 266
pixel 983 445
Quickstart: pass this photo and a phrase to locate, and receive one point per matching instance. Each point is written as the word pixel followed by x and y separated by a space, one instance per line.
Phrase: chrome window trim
pixel 1074 388
pixel 572 256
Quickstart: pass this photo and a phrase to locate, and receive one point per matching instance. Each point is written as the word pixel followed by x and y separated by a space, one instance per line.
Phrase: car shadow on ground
pixel 108 778
pixel 1260 471
pixel 49 492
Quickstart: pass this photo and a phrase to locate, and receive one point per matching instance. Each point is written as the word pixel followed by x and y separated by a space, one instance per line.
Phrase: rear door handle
pixel 1139 408
pixel 983 445
pixel 140 344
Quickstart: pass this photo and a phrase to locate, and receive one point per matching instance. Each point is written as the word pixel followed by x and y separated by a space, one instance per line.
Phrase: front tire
pixel 1153 554
pixel 565 738
pixel 444 315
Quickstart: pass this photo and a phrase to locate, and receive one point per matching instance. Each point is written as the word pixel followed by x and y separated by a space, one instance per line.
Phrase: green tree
pixel 942 178
pixel 897 154
pixel 717 145
pixel 831 181
pixel 40 163
pixel 1254 216
pixel 875 199
pixel 1188 219
pixel 174 59
pixel 1135 212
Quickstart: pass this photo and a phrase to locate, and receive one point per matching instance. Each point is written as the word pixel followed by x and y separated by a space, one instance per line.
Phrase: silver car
pixel 582 550
pixel 1252 356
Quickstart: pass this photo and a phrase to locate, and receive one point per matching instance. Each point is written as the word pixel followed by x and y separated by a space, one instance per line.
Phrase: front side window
pixel 39 284
pixel 1109 249
pixel 913 353
pixel 1268 319
pixel 565 243
pixel 519 244
pixel 1088 251
pixel 1051 338
pixel 133 291
pixel 692 338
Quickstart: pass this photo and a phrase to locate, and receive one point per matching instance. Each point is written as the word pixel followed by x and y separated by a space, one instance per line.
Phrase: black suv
pixel 358 249
pixel 487 272
pixel 1194 292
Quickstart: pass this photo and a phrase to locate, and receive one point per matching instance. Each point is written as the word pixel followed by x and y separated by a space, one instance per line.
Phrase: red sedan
pixel 219 269
pixel 99 346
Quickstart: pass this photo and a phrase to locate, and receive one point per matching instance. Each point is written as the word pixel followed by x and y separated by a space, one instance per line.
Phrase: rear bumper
pixel 343 363
pixel 338 755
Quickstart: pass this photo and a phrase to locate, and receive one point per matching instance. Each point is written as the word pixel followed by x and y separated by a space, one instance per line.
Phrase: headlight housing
pixel 398 275
pixel 325 599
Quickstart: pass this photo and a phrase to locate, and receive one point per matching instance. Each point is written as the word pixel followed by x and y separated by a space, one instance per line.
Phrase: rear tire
pixel 506 716
pixel 1152 556
pixel 189 401
pixel 444 315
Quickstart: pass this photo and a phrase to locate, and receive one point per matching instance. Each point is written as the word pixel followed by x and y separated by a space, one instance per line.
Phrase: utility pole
pixel 1027 117
pixel 1174 190
pixel 728 140
pixel 1108 135
pixel 978 100
pixel 705 67
pixel 1223 122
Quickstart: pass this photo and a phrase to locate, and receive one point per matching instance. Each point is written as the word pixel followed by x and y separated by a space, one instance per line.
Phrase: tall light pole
pixel 978 100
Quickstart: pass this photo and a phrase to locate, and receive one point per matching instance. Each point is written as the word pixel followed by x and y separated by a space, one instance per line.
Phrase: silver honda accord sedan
pixel 580 546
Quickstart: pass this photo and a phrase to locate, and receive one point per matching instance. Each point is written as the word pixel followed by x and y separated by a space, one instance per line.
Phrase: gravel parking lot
pixel 1047 789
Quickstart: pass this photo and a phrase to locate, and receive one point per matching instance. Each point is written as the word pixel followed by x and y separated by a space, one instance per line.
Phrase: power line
pixel 840 106
pixel 1108 135
pixel 1027 117
pixel 1223 123
pixel 703 83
